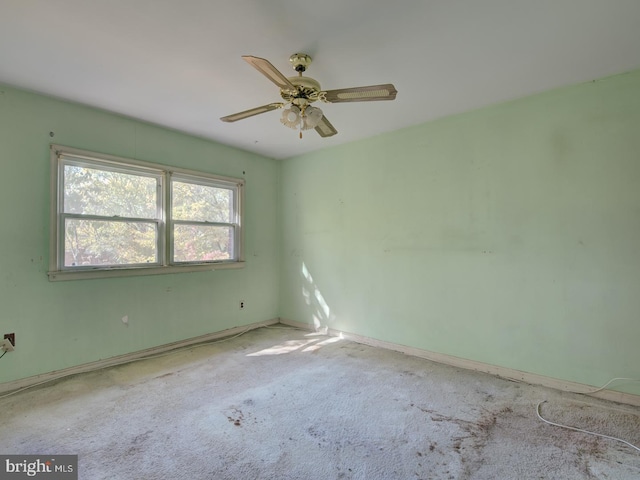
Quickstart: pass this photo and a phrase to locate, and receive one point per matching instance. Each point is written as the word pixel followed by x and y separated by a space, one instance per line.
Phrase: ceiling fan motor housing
pixel 306 87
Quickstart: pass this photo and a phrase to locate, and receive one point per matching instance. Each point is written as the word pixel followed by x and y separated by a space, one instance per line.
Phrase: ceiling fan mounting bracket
pixel 300 62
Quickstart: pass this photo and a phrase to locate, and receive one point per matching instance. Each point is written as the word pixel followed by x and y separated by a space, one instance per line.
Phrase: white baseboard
pixel 128 357
pixel 503 372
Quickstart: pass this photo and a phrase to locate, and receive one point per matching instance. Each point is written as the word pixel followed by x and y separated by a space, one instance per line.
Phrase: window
pixel 113 216
pixel 202 220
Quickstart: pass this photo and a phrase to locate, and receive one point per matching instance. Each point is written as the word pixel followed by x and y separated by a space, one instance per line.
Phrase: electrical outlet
pixel 6 345
pixel 11 337
pixel 241 304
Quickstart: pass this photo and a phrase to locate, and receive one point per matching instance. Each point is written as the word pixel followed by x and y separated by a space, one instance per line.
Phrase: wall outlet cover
pixel 6 345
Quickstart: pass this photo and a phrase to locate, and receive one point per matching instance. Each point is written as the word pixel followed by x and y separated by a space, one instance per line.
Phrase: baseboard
pixel 503 372
pixel 120 359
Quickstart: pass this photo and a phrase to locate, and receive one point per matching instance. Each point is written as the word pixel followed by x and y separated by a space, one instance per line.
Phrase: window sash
pixel 110 166
pixel 177 253
pixel 107 220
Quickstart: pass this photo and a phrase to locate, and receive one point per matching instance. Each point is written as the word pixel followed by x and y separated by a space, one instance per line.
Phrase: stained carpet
pixel 280 403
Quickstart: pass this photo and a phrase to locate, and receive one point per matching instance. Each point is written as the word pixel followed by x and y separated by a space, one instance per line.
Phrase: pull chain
pixel 302 110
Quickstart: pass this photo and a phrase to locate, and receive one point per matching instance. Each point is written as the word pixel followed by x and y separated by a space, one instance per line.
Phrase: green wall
pixel 508 235
pixel 62 324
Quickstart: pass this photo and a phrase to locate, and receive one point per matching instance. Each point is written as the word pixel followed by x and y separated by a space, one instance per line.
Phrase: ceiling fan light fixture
pixel 311 117
pixel 291 116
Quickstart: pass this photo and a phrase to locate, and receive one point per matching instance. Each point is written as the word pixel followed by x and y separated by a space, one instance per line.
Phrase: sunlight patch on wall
pixel 322 314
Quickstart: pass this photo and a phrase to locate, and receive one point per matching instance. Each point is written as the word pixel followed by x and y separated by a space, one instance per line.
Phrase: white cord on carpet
pixel 610 382
pixel 149 357
pixel 590 393
pixel 581 430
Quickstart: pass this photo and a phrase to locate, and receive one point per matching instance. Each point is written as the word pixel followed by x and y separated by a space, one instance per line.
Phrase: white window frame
pixel 62 155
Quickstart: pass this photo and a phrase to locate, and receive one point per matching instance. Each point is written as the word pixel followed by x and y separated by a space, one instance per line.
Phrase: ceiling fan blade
pixel 269 71
pixel 360 94
pixel 251 112
pixel 325 129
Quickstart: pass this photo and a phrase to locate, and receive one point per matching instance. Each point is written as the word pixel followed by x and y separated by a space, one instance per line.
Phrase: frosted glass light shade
pixel 291 116
pixel 312 117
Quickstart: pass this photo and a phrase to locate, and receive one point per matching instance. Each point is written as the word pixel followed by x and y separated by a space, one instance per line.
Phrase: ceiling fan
pixel 299 92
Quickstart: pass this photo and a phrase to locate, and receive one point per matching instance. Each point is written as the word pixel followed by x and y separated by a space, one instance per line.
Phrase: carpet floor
pixel 281 403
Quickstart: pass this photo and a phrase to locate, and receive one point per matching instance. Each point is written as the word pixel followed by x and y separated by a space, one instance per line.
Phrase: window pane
pixel 92 191
pixel 97 242
pixel 202 243
pixel 201 203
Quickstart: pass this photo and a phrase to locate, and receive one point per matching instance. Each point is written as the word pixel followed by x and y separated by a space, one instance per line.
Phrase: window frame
pixel 62 155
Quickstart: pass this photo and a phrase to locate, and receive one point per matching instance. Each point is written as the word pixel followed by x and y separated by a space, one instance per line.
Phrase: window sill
pixel 64 275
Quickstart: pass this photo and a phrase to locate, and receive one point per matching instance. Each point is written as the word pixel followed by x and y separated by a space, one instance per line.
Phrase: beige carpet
pixel 279 403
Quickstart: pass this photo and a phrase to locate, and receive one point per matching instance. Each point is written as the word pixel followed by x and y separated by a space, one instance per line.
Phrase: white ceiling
pixel 177 63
